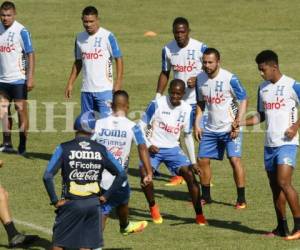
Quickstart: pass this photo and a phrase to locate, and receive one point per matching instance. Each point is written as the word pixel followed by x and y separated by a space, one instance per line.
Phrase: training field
pixel 239 29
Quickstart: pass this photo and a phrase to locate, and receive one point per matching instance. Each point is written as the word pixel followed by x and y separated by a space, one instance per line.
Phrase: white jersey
pixel 167 122
pixel 96 52
pixel 185 63
pixel 116 134
pixel 278 101
pixel 15 43
pixel 221 95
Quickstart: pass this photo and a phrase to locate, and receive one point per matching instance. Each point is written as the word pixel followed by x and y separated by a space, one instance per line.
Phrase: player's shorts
pixel 97 101
pixel 120 197
pixel 173 158
pixel 78 224
pixel 283 155
pixel 213 145
pixel 14 91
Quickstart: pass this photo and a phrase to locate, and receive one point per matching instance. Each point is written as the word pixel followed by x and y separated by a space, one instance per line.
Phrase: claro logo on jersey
pixel 6 48
pixel 185 68
pixel 169 128
pixel 88 155
pixel 113 133
pixel 219 98
pixel 274 105
pixel 92 55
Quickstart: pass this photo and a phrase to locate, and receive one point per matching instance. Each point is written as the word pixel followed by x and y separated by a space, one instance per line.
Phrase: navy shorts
pixel 14 91
pixel 78 224
pixel 119 197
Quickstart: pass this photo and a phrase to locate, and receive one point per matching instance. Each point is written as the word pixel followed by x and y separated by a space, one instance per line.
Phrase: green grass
pixel 239 29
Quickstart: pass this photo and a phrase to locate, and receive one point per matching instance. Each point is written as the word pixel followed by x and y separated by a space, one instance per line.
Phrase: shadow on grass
pixel 136 173
pixel 38 244
pixel 234 225
pixel 37 155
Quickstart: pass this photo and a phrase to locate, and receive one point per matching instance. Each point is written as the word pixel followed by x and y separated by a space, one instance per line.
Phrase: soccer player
pixel 82 163
pixel 168 115
pixel 225 99
pixel 94 50
pixel 116 133
pixel 278 98
pixel 16 74
pixel 183 57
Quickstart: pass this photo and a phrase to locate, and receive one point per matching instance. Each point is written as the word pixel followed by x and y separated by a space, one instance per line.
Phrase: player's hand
pixel 1 163
pixel 146 180
pixel 291 131
pixel 30 84
pixel 153 149
pixel 198 133
pixel 235 130
pixel 68 92
pixel 60 203
pixel 191 82
pixel 102 199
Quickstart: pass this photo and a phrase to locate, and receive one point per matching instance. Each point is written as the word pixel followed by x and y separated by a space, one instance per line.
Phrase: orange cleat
pixel 200 220
pixel 294 236
pixel 175 181
pixel 240 205
pixel 155 214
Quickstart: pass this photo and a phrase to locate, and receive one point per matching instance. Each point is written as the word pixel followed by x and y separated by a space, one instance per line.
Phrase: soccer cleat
pixel 7 148
pixel 22 150
pixel 278 232
pixel 175 181
pixel 134 227
pixel 155 214
pixel 294 236
pixel 20 240
pixel 240 205
pixel 200 220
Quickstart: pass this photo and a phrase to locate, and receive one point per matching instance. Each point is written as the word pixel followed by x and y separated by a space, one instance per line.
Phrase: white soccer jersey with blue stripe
pixel 221 95
pixel 279 102
pixel 116 134
pixel 167 122
pixel 184 62
pixel 15 42
pixel 97 52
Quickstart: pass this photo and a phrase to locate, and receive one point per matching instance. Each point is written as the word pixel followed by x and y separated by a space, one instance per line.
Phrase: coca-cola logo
pixel 90 175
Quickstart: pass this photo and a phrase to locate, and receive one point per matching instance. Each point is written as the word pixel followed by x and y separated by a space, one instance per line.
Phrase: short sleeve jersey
pixel 96 52
pixel 167 122
pixel 184 62
pixel 221 95
pixel 15 43
pixel 116 133
pixel 279 102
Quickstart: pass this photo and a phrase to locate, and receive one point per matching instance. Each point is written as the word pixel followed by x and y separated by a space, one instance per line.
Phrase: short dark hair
pixel 214 51
pixel 177 82
pixel 90 10
pixel 118 93
pixel 180 20
pixel 267 56
pixel 7 5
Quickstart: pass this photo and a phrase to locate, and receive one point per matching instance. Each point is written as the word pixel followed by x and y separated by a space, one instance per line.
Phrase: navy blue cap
pixel 85 122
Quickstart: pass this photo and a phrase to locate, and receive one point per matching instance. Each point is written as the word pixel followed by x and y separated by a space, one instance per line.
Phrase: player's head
pixel 267 63
pixel 85 123
pixel 211 61
pixel 7 13
pixel 90 19
pixel 120 101
pixel 181 31
pixel 176 91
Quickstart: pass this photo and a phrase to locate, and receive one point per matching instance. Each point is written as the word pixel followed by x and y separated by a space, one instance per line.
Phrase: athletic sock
pixel 205 192
pixel 296 223
pixel 241 194
pixel 151 203
pixel 23 139
pixel 7 138
pixel 10 230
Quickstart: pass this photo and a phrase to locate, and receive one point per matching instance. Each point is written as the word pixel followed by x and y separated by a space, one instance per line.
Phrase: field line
pixel 33 226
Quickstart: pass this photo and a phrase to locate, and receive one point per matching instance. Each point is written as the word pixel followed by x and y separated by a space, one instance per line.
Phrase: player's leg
pixel 21 108
pixel 234 153
pixel 149 190
pixel 6 119
pixel 279 202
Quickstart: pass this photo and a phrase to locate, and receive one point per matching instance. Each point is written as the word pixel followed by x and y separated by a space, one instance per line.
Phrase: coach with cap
pixel 82 161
